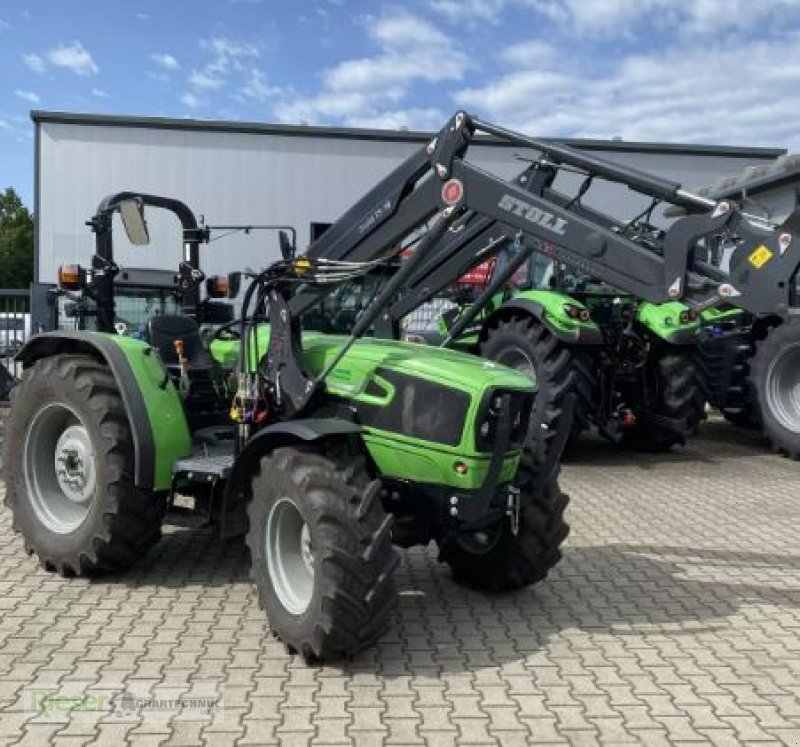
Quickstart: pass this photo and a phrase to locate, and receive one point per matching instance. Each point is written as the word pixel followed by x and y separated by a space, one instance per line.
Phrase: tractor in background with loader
pixel 752 363
pixel 334 447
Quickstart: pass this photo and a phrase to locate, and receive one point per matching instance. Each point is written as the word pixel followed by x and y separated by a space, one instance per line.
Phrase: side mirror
pixel 132 214
pixel 234 284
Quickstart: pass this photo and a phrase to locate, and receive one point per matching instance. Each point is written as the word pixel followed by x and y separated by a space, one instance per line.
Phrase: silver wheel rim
pixel 515 357
pixel 59 467
pixel 290 558
pixel 783 388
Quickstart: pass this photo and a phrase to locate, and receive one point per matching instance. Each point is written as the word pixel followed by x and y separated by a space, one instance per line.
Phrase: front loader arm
pixel 436 192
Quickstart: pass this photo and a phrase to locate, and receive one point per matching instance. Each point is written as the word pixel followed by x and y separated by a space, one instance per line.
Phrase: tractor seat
pixel 162 331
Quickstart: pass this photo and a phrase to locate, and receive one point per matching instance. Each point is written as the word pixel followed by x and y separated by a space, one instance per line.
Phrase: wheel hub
pixel 59 468
pixel 481 541
pixel 290 556
pixel 74 463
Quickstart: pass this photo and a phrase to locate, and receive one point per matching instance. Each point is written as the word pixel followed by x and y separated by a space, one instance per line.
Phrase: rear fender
pixel 548 308
pixel 155 412
pixel 233 520
pixel 664 321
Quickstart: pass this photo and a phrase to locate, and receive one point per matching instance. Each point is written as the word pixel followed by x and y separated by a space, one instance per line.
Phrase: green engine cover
pixel 404 387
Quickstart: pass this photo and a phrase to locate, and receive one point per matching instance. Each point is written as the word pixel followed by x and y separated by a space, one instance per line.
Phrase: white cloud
pixel 167 61
pixel 34 62
pixel 28 96
pixel 528 53
pixel 205 81
pixel 682 94
pixel 256 88
pixel 99 93
pixel 143 17
pixel 367 90
pixel 616 17
pixel 230 66
pixel 4 24
pixel 428 118
pixel 459 11
pixel 700 16
pixel 191 100
pixel 72 57
pixel 229 54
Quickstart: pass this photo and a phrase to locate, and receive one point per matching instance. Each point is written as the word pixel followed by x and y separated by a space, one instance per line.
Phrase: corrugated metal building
pixel 232 172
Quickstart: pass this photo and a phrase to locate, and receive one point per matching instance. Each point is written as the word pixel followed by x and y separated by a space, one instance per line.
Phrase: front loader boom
pixel 490 209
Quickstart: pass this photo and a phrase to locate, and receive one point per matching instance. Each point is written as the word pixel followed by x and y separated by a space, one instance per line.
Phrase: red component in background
pixel 479 275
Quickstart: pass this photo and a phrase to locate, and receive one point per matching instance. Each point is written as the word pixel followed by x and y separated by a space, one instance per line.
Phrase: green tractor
pixel 323 450
pixel 633 364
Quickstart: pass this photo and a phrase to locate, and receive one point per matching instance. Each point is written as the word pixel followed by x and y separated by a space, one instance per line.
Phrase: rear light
pixel 71 277
pixel 576 312
pixel 687 316
pixel 217 286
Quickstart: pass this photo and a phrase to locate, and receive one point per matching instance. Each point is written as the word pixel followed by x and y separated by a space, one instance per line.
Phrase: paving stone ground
pixel 674 618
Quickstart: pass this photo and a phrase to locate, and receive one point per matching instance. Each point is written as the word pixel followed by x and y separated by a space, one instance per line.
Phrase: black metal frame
pixel 105 269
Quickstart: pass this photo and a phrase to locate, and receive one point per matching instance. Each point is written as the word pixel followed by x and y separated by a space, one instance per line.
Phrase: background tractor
pixel 632 364
pixel 752 363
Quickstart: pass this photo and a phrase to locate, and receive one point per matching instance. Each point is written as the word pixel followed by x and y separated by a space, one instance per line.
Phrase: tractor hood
pixel 466 372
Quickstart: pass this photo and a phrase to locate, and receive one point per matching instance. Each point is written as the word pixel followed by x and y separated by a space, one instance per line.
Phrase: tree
pixel 16 241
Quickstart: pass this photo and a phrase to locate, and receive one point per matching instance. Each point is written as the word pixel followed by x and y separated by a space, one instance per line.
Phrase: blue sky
pixel 716 71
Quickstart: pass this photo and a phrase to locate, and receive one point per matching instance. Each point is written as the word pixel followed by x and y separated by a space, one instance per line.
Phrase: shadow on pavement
pixel 443 627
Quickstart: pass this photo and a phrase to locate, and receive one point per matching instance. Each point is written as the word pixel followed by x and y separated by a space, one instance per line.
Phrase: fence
pixel 22 313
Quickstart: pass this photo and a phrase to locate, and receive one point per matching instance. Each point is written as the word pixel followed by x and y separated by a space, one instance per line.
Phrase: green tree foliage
pixel 16 241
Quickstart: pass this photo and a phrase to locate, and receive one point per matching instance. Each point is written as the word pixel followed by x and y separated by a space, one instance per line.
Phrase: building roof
pixel 358 133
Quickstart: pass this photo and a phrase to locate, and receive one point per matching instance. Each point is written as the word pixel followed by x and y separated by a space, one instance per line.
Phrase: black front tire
pixel 352 593
pixel 512 561
pixel 122 521
pixel 775 379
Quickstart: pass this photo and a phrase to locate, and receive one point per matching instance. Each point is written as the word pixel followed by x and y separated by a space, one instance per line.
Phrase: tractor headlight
pixel 519 413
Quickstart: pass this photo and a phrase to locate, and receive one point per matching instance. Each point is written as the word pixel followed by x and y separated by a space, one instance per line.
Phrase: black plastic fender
pixel 47 344
pixel 580 336
pixel 233 519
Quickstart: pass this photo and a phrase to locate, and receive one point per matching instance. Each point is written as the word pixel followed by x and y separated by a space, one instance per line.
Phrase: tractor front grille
pixel 419 408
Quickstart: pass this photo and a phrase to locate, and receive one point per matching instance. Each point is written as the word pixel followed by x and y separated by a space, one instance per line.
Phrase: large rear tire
pixel 524 343
pixel 321 551
pixel 499 560
pixel 677 396
pixel 70 467
pixel 775 378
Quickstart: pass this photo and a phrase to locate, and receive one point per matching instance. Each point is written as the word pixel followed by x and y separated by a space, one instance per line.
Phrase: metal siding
pixel 248 177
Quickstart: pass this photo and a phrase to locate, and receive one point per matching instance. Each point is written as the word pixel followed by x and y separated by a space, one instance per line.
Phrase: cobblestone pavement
pixel 674 618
